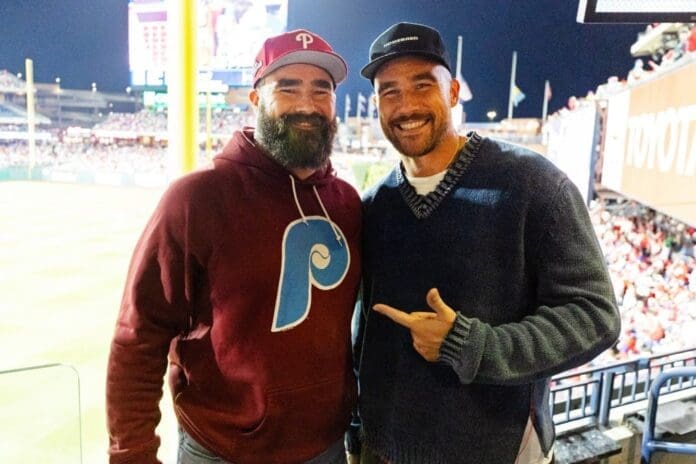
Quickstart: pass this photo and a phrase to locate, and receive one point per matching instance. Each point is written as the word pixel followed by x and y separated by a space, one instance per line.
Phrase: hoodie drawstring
pixel 297 202
pixel 326 213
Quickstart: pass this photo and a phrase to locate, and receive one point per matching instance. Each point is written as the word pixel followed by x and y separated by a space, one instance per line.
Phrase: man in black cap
pixel 488 253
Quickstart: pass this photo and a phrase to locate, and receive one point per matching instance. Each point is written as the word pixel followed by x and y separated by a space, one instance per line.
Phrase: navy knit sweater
pixel 507 240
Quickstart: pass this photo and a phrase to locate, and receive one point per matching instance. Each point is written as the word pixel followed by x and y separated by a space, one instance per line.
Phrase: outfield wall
pixel 362 173
pixel 73 176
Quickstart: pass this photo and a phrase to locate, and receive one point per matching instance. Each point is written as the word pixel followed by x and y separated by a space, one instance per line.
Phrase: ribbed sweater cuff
pixel 450 351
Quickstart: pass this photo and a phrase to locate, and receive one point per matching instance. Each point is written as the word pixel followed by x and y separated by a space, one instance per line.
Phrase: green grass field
pixel 64 255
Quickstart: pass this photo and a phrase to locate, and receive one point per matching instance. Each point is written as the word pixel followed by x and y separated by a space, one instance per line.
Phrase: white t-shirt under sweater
pixel 425 185
pixel 530 450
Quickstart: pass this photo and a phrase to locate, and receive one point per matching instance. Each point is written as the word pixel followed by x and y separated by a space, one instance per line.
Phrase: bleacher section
pixel 9 83
pixel 15 115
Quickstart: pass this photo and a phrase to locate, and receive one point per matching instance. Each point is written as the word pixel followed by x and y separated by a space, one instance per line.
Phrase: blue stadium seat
pixel 650 444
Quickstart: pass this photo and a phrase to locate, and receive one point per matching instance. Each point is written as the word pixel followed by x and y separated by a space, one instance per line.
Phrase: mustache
pixel 315 119
pixel 408 117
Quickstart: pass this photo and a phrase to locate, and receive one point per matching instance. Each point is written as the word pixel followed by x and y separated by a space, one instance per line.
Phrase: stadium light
pixel 94 86
pixel 491 115
pixel 19 75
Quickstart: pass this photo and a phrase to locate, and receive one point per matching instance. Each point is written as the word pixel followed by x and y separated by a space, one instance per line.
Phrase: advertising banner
pixel 650 149
pixel 571 141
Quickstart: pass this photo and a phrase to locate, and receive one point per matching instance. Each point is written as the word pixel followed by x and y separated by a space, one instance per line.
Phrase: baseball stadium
pixel 82 170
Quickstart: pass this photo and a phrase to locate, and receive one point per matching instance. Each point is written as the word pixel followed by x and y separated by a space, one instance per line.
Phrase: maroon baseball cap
pixel 295 47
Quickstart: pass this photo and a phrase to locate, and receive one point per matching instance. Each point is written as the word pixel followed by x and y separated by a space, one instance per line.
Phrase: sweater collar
pixel 423 206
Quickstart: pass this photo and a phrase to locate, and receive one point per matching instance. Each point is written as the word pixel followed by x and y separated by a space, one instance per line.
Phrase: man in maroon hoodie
pixel 243 283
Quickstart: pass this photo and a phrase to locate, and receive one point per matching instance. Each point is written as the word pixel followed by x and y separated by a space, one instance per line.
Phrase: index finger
pixel 394 314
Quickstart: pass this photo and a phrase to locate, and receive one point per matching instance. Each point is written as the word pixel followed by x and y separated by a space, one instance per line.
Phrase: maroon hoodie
pixel 246 278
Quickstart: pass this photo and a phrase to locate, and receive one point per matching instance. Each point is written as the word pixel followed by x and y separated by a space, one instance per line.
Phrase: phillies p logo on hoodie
pixel 315 254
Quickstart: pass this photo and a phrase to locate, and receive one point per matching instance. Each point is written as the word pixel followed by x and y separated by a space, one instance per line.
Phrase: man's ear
pixel 254 97
pixel 454 92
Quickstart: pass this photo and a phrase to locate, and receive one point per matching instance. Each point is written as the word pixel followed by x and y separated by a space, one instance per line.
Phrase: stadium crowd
pixel 142 122
pixel 10 83
pixel 652 264
pixel 146 121
pixel 123 142
pixel 123 158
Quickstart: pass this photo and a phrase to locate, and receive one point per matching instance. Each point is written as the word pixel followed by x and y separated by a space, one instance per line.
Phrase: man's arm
pixel 576 317
pixel 575 320
pixel 153 311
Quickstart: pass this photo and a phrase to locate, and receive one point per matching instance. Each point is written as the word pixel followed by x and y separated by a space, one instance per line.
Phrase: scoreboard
pixel 230 32
pixel 636 11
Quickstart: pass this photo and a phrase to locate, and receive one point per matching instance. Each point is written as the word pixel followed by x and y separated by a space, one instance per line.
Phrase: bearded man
pixel 243 282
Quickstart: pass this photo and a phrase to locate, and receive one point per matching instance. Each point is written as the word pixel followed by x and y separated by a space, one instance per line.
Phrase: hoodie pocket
pixel 305 419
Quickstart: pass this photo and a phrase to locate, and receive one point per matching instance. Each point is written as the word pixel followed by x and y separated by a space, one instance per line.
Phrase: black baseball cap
pixel 404 39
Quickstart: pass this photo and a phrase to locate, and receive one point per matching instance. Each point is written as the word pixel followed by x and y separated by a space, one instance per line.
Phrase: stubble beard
pixel 407 147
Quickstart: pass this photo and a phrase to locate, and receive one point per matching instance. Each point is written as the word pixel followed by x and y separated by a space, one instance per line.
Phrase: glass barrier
pixel 40 415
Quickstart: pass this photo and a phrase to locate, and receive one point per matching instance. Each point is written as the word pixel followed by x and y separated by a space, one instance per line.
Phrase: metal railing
pixel 684 376
pixel 588 396
pixel 583 397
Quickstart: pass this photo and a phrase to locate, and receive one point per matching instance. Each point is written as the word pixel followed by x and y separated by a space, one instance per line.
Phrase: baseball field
pixel 64 252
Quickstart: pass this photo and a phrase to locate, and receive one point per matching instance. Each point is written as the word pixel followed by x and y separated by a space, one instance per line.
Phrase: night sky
pixel 85 41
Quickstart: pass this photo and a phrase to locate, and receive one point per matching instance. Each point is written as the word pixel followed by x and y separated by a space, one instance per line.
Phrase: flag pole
pixel 459 55
pixel 208 125
pixel 358 119
pixel 545 108
pixel 31 114
pixel 512 83
pixel 458 110
pixel 371 112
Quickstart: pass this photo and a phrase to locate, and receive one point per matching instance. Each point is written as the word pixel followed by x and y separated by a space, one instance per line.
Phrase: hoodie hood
pixel 242 148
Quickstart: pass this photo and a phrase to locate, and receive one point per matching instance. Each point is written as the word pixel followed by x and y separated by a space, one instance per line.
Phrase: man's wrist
pixel 455 340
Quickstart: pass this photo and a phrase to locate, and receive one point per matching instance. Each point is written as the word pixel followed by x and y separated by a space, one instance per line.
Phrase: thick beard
pixel 296 148
pixel 434 140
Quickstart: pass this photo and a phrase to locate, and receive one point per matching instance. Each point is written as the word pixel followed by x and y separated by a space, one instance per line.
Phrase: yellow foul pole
pixel 182 86
pixel 208 125
pixel 31 115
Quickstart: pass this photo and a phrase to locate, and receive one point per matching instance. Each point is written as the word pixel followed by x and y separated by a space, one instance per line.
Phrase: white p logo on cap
pixel 305 38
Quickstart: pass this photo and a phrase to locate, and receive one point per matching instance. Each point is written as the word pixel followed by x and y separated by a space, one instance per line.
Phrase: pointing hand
pixel 428 329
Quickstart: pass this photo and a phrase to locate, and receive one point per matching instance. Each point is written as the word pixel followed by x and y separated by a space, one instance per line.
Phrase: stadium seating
pixel 650 443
